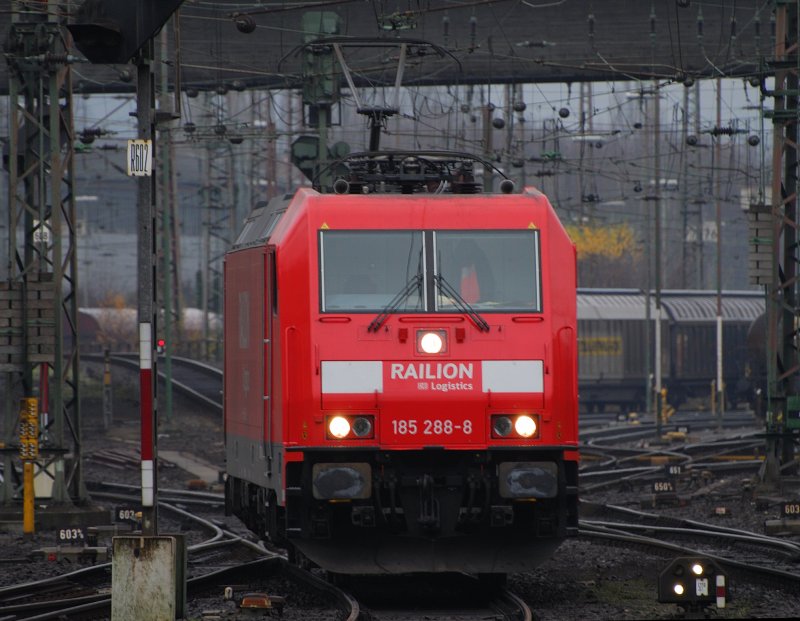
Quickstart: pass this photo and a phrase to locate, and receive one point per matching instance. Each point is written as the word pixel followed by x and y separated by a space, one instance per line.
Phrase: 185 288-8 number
pixel 430 427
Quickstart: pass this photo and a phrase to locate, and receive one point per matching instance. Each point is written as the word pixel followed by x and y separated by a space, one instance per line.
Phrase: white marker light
pixel 338 427
pixel 697 569
pixel 431 343
pixel 362 426
pixel 525 426
pixel 678 588
pixel 501 425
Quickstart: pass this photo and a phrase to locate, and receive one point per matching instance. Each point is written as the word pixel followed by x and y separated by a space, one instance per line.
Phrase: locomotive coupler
pixel 363 516
pixel 393 513
pixel 501 516
pixel 428 505
pixel 470 512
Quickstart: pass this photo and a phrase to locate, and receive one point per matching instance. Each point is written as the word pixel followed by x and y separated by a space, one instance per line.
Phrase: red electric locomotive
pixel 401 371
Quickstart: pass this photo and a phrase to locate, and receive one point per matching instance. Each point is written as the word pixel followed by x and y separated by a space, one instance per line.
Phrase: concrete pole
pixel 718 218
pixel 657 215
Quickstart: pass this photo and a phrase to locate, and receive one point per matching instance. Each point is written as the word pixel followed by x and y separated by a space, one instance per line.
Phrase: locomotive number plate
pixel 436 430
pixel 430 427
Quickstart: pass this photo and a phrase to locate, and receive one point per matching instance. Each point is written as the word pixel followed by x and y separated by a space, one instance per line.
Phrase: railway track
pixel 199 381
pixel 221 559
pixel 612 465
pixel 615 431
pixel 446 597
pixel 751 555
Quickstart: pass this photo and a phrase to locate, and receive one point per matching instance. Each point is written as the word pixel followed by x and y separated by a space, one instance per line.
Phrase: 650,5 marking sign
pixel 140 158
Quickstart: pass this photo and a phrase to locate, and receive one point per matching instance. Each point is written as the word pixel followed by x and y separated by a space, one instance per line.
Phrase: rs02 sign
pixel 140 158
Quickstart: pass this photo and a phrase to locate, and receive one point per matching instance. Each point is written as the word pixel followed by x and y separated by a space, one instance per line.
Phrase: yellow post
pixel 28 496
pixel 29 452
pixel 666 409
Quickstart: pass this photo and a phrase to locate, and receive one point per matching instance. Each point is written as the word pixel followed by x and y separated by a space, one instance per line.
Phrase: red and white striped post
pixel 146 290
pixel 147 418
pixel 721 591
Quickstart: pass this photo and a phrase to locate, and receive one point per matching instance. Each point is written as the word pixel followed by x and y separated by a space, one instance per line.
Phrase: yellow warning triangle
pixel 324 226
pixel 532 226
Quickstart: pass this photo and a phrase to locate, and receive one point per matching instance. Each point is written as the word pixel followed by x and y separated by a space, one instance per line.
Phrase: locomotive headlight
pixel 525 426
pixel 338 427
pixel 431 341
pixel 501 426
pixel 362 427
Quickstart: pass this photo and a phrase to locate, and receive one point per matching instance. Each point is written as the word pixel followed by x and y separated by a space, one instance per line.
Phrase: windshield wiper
pixel 394 303
pixel 460 303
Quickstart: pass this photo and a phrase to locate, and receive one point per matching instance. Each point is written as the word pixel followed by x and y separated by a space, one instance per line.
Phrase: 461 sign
pixel 140 158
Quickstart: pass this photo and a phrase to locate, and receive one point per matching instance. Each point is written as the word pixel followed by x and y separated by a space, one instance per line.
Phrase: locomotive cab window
pixel 366 271
pixel 489 270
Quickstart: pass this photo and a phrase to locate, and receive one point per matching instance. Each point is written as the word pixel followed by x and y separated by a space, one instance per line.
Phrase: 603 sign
pixel 791 510
pixel 71 534
pixel 126 514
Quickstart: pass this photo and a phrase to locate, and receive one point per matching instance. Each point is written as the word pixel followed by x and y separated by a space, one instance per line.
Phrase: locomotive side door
pixel 270 290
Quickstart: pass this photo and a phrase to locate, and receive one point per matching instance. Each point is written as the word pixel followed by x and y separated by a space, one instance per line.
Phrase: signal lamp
pixel 431 341
pixel 339 427
pixel 693 583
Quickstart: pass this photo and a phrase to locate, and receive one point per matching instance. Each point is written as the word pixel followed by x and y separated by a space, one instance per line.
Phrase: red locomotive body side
pixel 431 473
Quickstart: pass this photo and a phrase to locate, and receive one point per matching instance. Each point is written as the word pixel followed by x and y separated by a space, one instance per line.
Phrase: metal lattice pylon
pixel 782 309
pixel 38 304
pixel 219 226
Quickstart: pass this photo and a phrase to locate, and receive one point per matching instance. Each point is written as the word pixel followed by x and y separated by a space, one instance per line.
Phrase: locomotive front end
pixel 441 433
